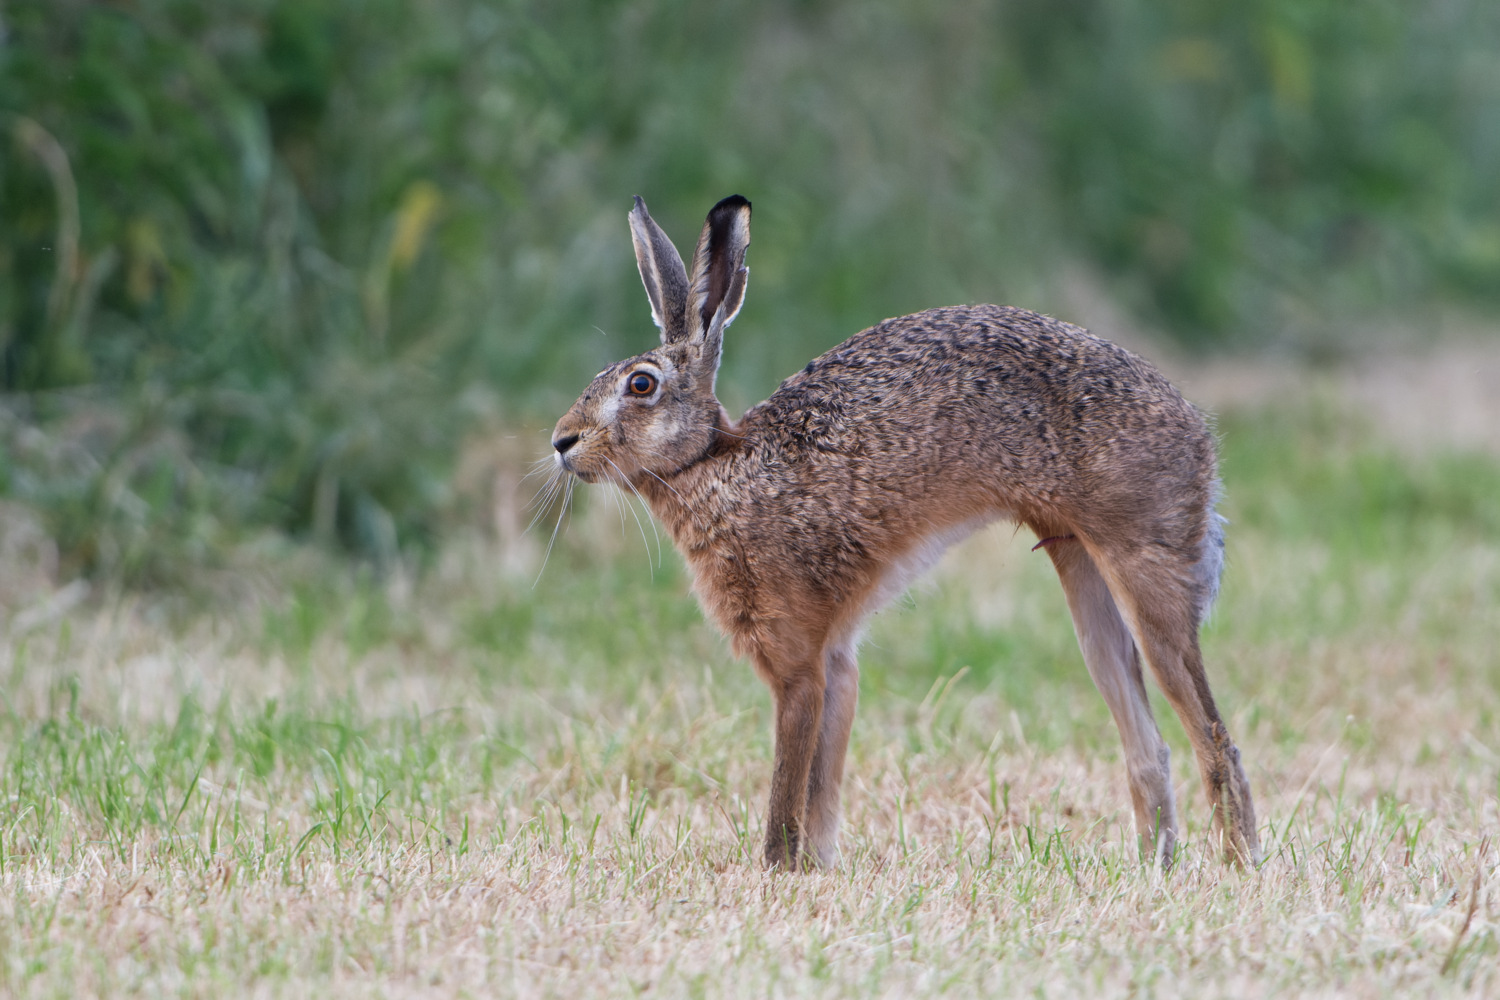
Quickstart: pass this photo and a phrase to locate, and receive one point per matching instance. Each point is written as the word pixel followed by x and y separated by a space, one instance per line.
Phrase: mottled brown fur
pixel 818 505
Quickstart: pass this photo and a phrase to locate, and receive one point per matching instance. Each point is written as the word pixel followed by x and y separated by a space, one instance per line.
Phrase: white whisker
pixel 555 472
pixel 668 485
pixel 544 498
pixel 620 506
pixel 567 495
pixel 715 427
pixel 637 517
pixel 621 503
pixel 545 504
pixel 542 503
pixel 540 466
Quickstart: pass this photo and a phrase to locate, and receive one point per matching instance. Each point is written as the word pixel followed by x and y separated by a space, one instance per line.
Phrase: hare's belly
pixel 900 572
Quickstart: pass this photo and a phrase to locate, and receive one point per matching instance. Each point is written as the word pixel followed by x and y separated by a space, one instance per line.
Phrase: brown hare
pixel 817 506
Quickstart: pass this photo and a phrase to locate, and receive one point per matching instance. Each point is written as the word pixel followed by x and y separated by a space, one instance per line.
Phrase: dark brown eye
pixel 641 384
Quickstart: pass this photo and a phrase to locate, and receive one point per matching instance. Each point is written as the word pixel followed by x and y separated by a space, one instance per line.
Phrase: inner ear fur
pixel 717 284
pixel 662 273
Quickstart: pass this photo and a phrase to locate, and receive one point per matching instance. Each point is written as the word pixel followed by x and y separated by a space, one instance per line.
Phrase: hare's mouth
pixel 580 467
pixel 569 464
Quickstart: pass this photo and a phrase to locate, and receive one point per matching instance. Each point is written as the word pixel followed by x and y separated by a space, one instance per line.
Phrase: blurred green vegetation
pixel 266 262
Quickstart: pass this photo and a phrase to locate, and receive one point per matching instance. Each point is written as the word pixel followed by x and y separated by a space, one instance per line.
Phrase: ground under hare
pixel 819 505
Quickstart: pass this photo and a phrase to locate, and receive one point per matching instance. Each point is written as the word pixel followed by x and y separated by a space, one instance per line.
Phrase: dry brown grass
pixel 567 803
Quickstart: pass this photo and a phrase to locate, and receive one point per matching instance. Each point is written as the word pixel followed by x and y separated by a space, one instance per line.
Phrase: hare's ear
pixel 661 272
pixel 719 273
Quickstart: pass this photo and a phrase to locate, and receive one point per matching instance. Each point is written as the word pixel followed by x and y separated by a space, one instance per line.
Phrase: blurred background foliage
pixel 265 263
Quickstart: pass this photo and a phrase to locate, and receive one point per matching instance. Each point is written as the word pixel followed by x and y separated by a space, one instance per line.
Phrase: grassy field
pixel 457 783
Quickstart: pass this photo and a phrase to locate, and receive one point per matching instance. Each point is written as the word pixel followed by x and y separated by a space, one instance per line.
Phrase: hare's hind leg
pixel 1115 665
pixel 840 696
pixel 1162 602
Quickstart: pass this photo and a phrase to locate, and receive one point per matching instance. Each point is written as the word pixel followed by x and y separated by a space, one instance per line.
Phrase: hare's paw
pixel 1234 812
pixel 784 850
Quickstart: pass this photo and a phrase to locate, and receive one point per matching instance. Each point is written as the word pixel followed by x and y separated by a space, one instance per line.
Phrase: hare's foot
pixel 791 851
pixel 783 848
pixel 1155 809
pixel 1234 810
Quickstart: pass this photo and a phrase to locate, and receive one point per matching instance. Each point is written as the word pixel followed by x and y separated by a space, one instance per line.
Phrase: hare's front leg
pixel 798 693
pixel 840 696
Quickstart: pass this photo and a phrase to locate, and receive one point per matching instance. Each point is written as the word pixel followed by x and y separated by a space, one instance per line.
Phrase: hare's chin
pixel 564 465
pixel 587 475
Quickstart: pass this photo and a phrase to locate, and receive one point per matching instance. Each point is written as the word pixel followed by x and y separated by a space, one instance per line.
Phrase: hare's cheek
pixel 657 435
pixel 609 411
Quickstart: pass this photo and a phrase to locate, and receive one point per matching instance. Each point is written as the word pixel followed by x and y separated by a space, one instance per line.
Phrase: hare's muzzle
pixel 571 456
pixel 562 444
pixel 565 441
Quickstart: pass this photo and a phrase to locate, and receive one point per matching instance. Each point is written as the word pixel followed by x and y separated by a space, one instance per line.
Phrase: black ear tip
pixel 640 204
pixel 732 204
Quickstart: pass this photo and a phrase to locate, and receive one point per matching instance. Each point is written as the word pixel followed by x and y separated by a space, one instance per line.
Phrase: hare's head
pixel 656 412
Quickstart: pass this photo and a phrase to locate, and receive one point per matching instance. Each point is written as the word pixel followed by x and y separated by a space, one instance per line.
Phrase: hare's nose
pixel 562 444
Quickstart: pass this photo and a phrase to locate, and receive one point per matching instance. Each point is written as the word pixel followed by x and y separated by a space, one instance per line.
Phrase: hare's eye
pixel 641 384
